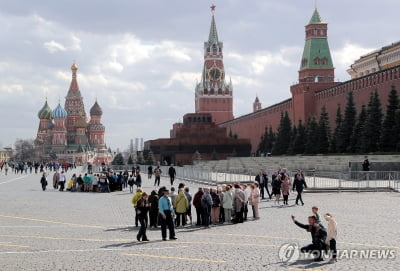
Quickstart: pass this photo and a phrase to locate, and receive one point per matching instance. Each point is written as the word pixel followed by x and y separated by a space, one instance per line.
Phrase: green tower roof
pixel 213 36
pixel 316 18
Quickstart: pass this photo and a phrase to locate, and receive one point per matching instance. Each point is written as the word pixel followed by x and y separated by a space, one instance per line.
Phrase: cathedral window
pixel 316 61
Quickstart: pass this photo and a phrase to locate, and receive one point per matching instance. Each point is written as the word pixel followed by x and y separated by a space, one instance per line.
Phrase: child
pixel 314 210
pixel 331 236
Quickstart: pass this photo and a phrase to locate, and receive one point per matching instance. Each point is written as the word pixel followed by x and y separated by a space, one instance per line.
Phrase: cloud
pixel 53 46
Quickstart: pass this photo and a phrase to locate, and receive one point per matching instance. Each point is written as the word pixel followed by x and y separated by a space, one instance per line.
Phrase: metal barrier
pixel 334 181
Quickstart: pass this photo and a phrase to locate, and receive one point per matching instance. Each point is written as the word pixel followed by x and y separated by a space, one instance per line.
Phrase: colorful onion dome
pixel 45 112
pixel 59 112
pixel 96 110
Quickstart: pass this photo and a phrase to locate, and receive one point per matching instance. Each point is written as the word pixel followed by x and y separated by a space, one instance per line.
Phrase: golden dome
pixel 74 67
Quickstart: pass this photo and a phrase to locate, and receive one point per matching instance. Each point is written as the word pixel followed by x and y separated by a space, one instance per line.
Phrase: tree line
pixel 368 131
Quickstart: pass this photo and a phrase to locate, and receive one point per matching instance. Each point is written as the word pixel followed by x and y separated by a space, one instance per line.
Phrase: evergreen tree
pixel 346 129
pixel 323 132
pixel 358 130
pixel 292 140
pixel 118 160
pixel 312 136
pixel 339 119
pixel 263 141
pixel 281 145
pixel 130 160
pixel 150 158
pixel 389 138
pixel 300 140
pixel 270 140
pixel 397 131
pixel 373 123
pixel 140 158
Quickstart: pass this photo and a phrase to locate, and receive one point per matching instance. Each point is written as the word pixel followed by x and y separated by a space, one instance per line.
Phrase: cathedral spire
pixel 74 87
pixel 213 36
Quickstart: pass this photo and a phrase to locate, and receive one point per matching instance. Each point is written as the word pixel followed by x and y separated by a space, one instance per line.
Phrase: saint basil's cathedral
pixel 65 134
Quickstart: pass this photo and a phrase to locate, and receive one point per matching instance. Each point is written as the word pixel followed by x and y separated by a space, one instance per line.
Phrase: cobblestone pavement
pixel 55 230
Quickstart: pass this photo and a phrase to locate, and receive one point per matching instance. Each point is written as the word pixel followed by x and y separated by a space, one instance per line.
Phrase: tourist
pixel 173 194
pixel 197 205
pixel 246 201
pixel 153 212
pixel 131 183
pixel 172 174
pixel 56 179
pixel 6 166
pixel 167 212
pixel 366 164
pixel 314 211
pixel 70 184
pixel 86 183
pixel 74 180
pixel 149 172
pixel 181 204
pixel 157 173
pixel 135 199
pixel 227 203
pixel 138 181
pixel 43 181
pixel 79 180
pixel 95 182
pixel 318 235
pixel 286 189
pixel 239 198
pixel 189 209
pixel 125 177
pixel 331 236
pixel 216 201
pixel 220 192
pixel 276 188
pixel 254 199
pixel 299 184
pixel 206 205
pixel 142 207
pixel 62 181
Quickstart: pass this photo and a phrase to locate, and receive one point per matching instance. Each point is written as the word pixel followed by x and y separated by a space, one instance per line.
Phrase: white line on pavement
pixel 88 250
pixel 15 179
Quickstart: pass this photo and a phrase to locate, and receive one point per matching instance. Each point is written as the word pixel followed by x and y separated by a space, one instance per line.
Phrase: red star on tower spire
pixel 213 8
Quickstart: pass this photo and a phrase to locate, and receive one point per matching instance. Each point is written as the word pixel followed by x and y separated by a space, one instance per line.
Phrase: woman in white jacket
pixel 331 236
pixel 227 204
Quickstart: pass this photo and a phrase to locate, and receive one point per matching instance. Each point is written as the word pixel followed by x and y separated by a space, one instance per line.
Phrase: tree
pixel 358 130
pixel 300 140
pixel 397 130
pixel 140 158
pixel 270 140
pixel 263 141
pixel 388 139
pixel 130 160
pixel 292 139
pixel 346 129
pixel 118 160
pixel 282 142
pixel 338 121
pixel 312 136
pixel 323 132
pixel 196 157
pixel 150 158
pixel 24 150
pixel 373 123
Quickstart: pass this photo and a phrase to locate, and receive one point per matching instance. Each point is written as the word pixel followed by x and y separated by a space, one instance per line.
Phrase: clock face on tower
pixel 214 74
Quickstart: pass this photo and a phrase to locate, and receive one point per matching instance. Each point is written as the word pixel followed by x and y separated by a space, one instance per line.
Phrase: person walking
pixel 149 172
pixel 299 184
pixel 62 181
pixel 276 188
pixel 142 210
pixel 56 179
pixel 167 212
pixel 157 173
pixel 172 174
pixel 285 189
pixel 135 199
pixel 43 181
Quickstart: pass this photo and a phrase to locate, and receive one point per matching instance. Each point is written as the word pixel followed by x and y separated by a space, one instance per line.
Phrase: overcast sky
pixel 141 59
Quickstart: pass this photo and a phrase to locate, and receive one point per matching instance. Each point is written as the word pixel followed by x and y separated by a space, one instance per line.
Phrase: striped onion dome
pixel 45 112
pixel 59 112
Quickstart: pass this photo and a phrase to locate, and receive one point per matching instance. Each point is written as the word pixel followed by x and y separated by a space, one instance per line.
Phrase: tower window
pixel 316 61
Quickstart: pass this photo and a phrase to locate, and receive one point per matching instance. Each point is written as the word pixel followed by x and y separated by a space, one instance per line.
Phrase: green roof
pixel 315 19
pixel 316 54
pixel 213 36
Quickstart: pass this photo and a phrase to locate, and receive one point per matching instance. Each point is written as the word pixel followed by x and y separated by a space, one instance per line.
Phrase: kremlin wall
pixel 316 88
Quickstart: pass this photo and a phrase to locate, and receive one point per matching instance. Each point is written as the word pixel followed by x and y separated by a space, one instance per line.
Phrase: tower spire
pixel 213 36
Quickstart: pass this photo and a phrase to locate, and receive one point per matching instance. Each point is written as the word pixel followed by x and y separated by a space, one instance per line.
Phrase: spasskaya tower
pixel 213 94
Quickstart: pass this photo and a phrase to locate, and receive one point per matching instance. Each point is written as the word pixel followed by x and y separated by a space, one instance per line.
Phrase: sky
pixel 141 59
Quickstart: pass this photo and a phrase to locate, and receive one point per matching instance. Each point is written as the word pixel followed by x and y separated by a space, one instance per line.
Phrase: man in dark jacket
pixel 153 200
pixel 197 205
pixel 262 180
pixel 318 235
pixel 299 184
pixel 172 174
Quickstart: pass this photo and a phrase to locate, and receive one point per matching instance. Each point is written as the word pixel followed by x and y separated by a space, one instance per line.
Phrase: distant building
pixel 67 135
pixel 5 154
